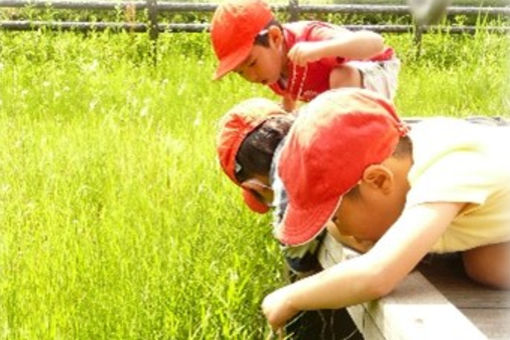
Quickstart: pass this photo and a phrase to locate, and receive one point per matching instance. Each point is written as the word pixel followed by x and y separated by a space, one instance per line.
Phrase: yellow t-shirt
pixel 458 161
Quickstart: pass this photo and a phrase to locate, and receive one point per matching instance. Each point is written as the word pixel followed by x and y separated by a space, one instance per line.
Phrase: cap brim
pixel 231 61
pixel 253 203
pixel 301 226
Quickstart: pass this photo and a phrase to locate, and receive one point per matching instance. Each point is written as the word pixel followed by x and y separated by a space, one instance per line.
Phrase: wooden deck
pixel 487 309
pixel 436 301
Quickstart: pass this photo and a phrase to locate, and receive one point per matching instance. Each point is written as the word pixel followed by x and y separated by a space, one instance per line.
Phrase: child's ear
pixel 378 177
pixel 275 36
pixel 263 191
pixel 253 184
pixel 258 186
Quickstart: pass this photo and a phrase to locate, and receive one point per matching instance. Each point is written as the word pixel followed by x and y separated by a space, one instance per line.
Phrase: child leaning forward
pixel 302 59
pixel 443 186
pixel 249 139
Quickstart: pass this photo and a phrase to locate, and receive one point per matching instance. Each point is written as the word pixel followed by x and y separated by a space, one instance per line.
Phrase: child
pixel 302 59
pixel 443 186
pixel 249 139
pixel 250 135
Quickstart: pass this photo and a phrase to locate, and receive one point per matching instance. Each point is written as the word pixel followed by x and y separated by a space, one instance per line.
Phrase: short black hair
pixel 256 152
pixel 262 38
pixel 404 148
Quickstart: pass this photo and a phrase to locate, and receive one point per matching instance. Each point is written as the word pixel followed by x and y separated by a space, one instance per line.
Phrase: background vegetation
pixel 132 15
pixel 115 219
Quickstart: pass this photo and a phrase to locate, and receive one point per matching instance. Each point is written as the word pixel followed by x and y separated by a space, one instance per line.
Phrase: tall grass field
pixel 115 219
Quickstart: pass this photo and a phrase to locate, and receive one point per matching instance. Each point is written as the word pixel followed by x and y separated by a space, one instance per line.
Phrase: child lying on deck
pixel 443 186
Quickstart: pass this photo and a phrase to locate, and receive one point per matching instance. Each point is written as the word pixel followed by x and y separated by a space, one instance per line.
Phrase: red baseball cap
pixel 234 26
pixel 234 127
pixel 331 143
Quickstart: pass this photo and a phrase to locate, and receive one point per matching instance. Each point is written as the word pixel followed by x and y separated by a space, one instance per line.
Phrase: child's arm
pixel 288 104
pixel 358 45
pixel 368 276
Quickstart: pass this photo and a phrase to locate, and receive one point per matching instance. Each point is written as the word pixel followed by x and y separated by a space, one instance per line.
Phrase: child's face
pixel 377 206
pixel 264 64
pixel 365 221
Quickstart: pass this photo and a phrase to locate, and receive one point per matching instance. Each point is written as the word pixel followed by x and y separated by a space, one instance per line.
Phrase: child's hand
pixel 304 52
pixel 277 308
pixel 288 104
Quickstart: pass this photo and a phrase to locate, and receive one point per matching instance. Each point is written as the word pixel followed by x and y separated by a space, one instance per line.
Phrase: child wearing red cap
pixel 302 59
pixel 443 186
pixel 248 143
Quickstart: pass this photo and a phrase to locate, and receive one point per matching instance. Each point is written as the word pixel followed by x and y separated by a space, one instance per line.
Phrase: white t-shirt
pixel 458 161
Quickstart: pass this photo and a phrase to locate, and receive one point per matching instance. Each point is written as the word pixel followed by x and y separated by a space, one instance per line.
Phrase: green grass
pixel 115 220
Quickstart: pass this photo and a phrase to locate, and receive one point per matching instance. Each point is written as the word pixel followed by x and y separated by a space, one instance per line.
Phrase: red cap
pixel 234 127
pixel 331 143
pixel 234 26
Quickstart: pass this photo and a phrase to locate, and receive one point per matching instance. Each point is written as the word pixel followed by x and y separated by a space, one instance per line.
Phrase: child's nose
pixel 251 76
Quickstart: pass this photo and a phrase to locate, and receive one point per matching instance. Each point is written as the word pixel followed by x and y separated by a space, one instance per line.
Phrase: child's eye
pixel 253 63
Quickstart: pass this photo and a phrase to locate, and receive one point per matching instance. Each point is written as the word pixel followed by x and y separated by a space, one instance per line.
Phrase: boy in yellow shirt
pixel 443 186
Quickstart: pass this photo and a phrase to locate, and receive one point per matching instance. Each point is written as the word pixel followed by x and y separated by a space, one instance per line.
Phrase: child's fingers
pixel 292 54
pixel 278 334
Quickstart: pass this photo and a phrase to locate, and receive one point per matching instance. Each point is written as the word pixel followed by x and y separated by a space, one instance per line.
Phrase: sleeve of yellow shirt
pixel 456 176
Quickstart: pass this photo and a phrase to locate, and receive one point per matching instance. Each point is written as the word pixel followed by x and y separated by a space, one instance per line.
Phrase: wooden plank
pixel 446 273
pixel 366 325
pixel 494 323
pixel 488 309
pixel 417 310
pixel 414 310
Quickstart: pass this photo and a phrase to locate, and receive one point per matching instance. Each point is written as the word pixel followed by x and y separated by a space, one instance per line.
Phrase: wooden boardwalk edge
pixel 415 310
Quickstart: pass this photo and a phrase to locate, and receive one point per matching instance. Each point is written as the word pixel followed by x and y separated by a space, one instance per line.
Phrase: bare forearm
pixel 358 45
pixel 378 272
pixel 288 104
pixel 368 276
pixel 347 283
